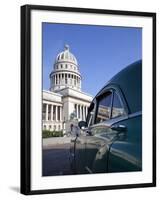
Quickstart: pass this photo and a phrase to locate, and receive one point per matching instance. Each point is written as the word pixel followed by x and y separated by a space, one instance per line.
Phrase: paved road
pixel 56 156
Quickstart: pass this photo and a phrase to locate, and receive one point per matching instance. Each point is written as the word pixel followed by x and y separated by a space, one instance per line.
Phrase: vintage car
pixel 111 137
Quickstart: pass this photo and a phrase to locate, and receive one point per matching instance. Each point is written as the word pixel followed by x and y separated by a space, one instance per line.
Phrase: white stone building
pixel 65 103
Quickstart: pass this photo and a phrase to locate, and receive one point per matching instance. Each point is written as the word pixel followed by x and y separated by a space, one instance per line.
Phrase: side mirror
pixel 82 124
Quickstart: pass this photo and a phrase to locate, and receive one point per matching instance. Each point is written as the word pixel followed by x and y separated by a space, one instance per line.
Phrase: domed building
pixel 64 103
pixel 65 72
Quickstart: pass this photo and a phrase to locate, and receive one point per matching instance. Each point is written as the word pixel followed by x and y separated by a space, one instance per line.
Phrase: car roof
pixel 129 80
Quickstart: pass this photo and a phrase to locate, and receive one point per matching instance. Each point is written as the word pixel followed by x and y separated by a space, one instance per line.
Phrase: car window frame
pixel 97 104
pixel 113 89
pixel 121 102
pixel 88 120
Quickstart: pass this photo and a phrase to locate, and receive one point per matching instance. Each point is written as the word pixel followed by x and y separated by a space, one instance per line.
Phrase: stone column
pixel 51 112
pixel 80 112
pixel 57 79
pixel 85 111
pixel 60 110
pixel 46 112
pixel 84 118
pixel 75 110
pixel 61 79
pixel 83 114
pixel 77 82
pixel 56 113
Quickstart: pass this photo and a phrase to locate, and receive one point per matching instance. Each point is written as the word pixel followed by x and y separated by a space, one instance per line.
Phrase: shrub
pixel 48 133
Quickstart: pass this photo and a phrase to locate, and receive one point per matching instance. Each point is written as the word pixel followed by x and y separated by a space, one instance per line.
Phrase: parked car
pixel 111 137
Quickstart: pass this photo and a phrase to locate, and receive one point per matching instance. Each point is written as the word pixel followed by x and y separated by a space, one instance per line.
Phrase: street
pixel 56 156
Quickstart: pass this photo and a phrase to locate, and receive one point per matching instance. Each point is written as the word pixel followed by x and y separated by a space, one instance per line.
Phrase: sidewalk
pixel 55 141
pixel 56 156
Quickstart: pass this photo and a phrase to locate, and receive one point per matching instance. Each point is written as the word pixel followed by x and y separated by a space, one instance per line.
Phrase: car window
pixel 117 107
pixel 90 114
pixel 104 108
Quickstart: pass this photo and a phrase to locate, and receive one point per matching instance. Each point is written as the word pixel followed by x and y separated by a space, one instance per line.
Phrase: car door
pixel 126 151
pixel 80 143
pixel 104 131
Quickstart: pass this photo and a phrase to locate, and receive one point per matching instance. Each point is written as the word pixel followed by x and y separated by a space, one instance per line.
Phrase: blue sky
pixel 101 51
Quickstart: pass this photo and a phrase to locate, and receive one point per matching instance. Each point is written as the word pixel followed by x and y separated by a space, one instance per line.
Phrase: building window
pixel 66 66
pixel 44 127
pixel 50 127
pixel 61 66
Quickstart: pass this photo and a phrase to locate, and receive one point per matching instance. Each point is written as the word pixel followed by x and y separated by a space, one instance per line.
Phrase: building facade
pixel 64 104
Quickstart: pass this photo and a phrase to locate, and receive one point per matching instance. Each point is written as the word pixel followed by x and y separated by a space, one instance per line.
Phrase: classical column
pixel 80 112
pixel 84 113
pixel 56 113
pixel 60 113
pixel 59 75
pixel 58 79
pixel 61 79
pixel 68 79
pixel 75 106
pixel 58 116
pixel 51 112
pixel 46 112
pixel 77 82
pixel 80 83
pixel 54 79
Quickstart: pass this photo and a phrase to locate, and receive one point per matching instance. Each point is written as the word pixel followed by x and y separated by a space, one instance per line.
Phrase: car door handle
pixel 119 128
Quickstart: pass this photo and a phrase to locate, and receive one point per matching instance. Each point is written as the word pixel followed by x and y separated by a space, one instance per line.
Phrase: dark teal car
pixel 111 137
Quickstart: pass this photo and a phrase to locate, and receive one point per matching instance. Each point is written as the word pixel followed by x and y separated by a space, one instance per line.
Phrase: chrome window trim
pixel 136 114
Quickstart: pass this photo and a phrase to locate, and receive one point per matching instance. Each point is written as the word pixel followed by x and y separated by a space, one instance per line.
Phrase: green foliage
pixel 48 133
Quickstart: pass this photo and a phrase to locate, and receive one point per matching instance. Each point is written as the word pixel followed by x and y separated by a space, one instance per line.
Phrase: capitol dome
pixel 66 55
pixel 65 71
